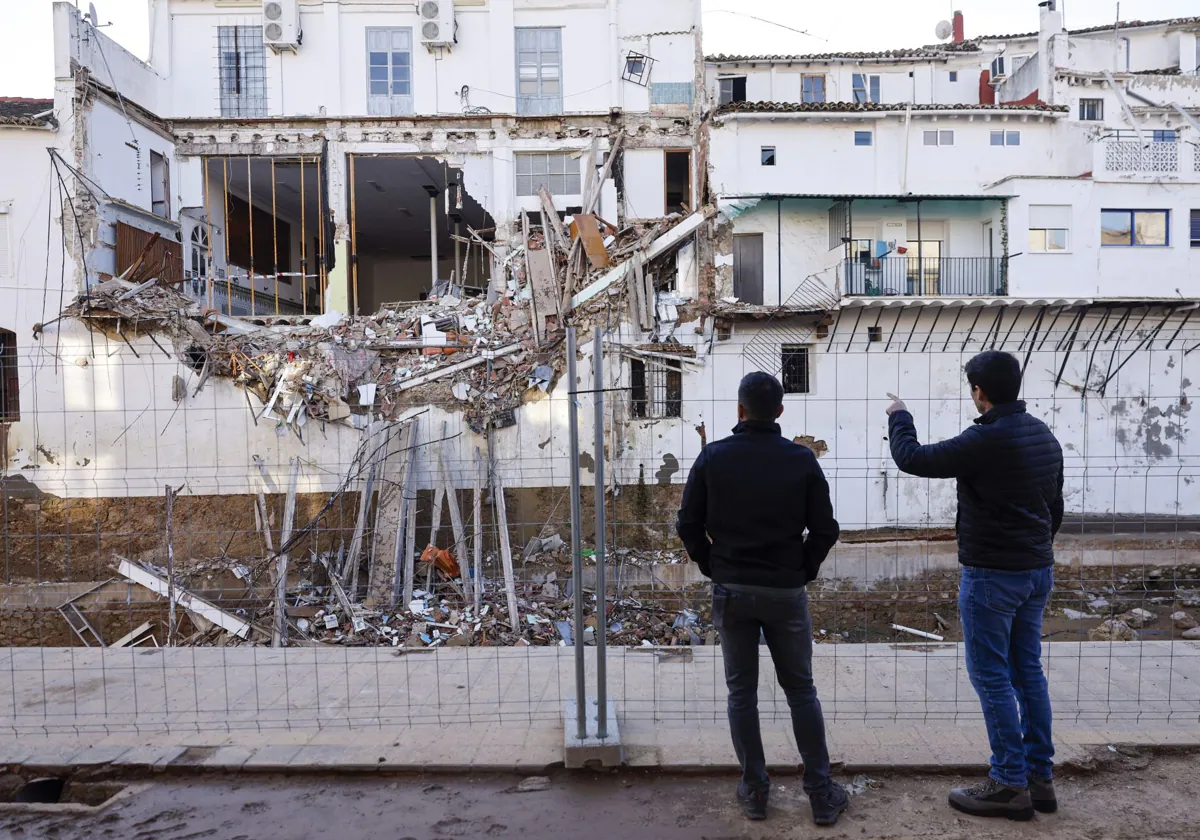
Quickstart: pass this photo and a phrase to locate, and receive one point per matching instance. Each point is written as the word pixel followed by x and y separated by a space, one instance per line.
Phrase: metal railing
pixel 929 276
pixel 234 299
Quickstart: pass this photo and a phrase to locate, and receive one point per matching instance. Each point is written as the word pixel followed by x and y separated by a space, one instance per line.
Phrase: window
pixel 1091 109
pixel 862 138
pixel 199 259
pixel 768 155
pixel 389 72
pixel 160 186
pixel 539 71
pixel 794 367
pixel 1195 233
pixel 812 88
pixel 10 386
pixel 732 89
pixel 243 71
pixel 637 68
pixel 939 138
pixel 1136 228
pixel 656 388
pixel 1006 138
pixel 866 88
pixel 677 182
pixel 1168 136
pixel 556 171
pixel 874 333
pixel 748 268
pixel 6 268
pixel 1048 226
pixel 954 75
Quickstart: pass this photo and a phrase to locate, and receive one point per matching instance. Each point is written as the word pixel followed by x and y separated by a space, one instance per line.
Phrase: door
pixel 748 268
pixel 677 172
pixel 924 267
pixel 989 250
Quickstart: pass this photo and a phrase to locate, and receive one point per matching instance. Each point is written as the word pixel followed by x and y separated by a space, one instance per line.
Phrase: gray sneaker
pixel 1041 791
pixel 992 799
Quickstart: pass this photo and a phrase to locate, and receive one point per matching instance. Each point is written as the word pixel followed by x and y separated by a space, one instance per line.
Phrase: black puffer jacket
pixel 1009 468
pixel 754 494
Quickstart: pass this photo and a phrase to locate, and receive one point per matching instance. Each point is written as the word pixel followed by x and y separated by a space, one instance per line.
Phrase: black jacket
pixel 1009 468
pixel 753 495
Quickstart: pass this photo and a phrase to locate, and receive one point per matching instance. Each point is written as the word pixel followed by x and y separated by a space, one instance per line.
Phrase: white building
pixel 881 217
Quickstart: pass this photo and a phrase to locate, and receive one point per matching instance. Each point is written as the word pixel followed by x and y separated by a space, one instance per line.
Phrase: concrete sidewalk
pixel 367 709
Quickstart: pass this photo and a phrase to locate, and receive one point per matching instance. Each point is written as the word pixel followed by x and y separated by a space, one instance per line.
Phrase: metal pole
pixel 433 243
pixel 601 588
pixel 172 622
pixel 576 555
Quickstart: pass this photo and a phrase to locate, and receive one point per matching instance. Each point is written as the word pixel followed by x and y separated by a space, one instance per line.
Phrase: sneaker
pixel 992 799
pixel 1041 791
pixel 829 803
pixel 754 804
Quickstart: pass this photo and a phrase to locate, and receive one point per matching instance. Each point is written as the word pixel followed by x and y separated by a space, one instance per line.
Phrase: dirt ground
pixel 1125 797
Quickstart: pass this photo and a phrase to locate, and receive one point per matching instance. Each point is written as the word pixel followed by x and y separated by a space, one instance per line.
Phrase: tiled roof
pixel 16 110
pixel 801 107
pixel 1125 24
pixel 938 51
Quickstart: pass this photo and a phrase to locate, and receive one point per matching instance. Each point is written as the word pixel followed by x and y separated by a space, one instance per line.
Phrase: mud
pixel 1129 797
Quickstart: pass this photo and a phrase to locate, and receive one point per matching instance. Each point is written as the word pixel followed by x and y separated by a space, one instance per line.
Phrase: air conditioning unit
pixel 281 24
pixel 999 69
pixel 437 22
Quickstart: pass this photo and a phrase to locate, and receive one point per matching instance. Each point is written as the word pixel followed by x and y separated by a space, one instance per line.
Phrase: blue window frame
pixel 954 75
pixel 863 138
pixel 812 88
pixel 1168 136
pixel 865 88
pixel 1135 228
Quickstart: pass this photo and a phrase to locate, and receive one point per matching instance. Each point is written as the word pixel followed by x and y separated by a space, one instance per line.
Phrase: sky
pixel 26 51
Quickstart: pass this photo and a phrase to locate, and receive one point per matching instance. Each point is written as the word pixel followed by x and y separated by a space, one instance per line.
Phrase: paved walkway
pixel 500 708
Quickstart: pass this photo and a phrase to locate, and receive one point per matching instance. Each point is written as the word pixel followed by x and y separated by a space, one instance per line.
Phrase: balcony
pixel 1157 152
pixel 911 276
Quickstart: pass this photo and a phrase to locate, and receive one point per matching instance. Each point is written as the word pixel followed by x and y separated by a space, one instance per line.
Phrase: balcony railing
pixel 232 298
pixel 1132 155
pixel 929 276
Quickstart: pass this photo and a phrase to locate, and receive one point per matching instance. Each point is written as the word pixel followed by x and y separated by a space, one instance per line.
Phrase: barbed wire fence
pixel 399 607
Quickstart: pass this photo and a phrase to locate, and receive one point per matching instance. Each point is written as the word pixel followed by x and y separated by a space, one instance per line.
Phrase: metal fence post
pixel 576 552
pixel 601 588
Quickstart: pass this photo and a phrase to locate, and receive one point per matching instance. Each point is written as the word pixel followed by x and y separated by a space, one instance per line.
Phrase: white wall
pixel 844 168
pixel 328 75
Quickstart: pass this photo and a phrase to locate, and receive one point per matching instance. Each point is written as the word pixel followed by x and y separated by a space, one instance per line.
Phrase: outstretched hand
pixel 897 405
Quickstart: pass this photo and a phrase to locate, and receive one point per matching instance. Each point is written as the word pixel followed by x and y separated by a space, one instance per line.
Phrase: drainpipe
pixel 433 239
pixel 779 245
pixel 907 136
pixel 1108 76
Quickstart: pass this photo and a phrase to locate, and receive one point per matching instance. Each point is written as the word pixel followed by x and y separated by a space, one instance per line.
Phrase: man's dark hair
pixel 997 374
pixel 760 395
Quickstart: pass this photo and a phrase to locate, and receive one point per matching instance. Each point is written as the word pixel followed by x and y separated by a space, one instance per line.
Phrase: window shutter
pixel 1051 216
pixel 1195 227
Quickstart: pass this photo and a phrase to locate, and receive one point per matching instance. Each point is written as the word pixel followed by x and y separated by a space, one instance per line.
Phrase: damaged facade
pixel 334 260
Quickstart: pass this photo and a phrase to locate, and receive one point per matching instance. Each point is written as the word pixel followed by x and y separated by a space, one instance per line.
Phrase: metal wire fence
pixel 146 513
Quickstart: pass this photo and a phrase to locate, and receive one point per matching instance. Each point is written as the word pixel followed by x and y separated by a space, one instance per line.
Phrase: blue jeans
pixel 1002 631
pixel 740 618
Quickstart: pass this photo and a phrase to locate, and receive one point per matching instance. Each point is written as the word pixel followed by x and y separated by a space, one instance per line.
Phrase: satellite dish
pixel 943 30
pixel 93 16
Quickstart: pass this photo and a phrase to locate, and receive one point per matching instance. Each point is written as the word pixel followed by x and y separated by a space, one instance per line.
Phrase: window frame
pixel 199 251
pixel 1005 135
pixel 861 134
pixel 953 75
pixel 768 156
pixel 805 79
pixel 1086 102
pixel 1159 135
pixel 788 354
pixel 571 173
pixel 1194 222
pixel 540 103
pixel 938 136
pixel 10 381
pixel 398 104
pixel 247 44
pixel 1133 214
pixel 648 406
pixel 732 80
pixel 869 88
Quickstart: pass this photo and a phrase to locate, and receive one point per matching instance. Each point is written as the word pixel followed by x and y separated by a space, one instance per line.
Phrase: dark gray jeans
pixel 785 624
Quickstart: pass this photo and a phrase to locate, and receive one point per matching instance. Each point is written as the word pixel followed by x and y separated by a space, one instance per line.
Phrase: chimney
pixel 959 37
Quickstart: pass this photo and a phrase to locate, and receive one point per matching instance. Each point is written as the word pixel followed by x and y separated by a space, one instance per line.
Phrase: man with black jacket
pixel 748 502
pixel 1010 506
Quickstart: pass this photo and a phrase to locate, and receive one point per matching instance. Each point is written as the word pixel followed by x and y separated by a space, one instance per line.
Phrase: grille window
pixel 656 388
